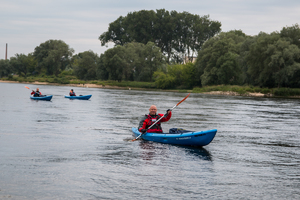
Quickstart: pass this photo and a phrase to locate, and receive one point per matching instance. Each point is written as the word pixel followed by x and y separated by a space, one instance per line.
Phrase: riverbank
pixel 88 85
pixel 195 90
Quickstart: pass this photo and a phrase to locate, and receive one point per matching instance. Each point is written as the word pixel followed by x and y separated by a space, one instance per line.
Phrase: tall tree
pixel 133 61
pixel 5 68
pixel 176 34
pixel 292 34
pixel 22 64
pixel 113 62
pixel 273 60
pixel 85 65
pixel 149 59
pixel 217 62
pixel 53 56
pixel 244 53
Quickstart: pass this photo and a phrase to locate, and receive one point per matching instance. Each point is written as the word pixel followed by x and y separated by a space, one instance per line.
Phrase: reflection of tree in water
pixel 150 149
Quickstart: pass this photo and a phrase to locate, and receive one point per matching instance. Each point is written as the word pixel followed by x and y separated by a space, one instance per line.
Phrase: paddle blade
pixel 183 99
pixel 27 87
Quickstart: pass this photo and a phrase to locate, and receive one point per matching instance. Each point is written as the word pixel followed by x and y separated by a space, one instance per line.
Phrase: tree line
pixel 266 60
pixel 150 46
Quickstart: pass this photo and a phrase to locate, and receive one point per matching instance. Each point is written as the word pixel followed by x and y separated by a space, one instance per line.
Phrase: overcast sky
pixel 26 24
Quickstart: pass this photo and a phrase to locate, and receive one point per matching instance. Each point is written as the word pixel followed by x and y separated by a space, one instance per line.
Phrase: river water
pixel 76 149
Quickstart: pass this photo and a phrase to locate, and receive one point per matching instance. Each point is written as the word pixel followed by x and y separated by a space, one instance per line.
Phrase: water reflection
pixel 151 149
pixel 199 152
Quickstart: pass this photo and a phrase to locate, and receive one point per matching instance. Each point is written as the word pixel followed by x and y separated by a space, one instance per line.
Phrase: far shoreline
pixel 89 85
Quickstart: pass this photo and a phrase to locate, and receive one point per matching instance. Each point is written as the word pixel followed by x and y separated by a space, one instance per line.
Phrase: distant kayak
pixel 44 98
pixel 83 97
pixel 197 138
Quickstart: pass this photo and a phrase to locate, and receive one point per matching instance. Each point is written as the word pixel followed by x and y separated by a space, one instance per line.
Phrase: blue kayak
pixel 44 98
pixel 198 138
pixel 82 97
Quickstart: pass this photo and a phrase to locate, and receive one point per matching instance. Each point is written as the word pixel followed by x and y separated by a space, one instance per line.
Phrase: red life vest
pixel 157 127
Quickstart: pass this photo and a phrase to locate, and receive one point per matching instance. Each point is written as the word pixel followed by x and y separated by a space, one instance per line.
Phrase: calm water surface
pixel 72 149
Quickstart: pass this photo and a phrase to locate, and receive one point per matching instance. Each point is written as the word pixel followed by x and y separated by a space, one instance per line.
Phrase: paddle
pixel 27 88
pixel 162 117
pixel 38 96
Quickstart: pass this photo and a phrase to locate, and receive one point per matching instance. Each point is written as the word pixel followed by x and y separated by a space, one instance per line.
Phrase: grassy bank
pixel 240 90
pixel 69 79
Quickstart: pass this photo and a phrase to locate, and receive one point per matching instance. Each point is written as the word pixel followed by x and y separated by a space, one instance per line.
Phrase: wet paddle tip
pixel 27 87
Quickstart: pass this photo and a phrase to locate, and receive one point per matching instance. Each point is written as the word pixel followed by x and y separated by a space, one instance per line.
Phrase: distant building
pixel 189 59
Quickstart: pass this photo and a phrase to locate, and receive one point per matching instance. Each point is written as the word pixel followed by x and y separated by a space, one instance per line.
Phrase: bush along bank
pixel 248 91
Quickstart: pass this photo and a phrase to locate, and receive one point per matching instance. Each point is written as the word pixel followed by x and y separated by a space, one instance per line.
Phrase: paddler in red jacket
pixel 151 118
pixel 36 93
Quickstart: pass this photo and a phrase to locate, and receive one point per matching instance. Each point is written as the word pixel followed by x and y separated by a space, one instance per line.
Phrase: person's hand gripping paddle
pixel 162 117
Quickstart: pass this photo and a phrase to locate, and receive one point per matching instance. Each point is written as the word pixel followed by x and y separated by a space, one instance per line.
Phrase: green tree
pixel 217 62
pixel 256 60
pixel 149 59
pixel 273 61
pixel 85 65
pixel 291 34
pixel 174 33
pixel 53 56
pixel 188 75
pixel 192 31
pixel 101 70
pixel 244 53
pixel 5 68
pixel 176 75
pixel 133 61
pixel 22 64
pixel 283 58
pixel 163 80
pixel 113 62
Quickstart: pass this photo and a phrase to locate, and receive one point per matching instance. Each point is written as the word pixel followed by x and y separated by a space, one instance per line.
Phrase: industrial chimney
pixel 6 52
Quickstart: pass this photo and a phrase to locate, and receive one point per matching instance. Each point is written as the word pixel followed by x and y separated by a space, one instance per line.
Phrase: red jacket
pixel 38 94
pixel 148 120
